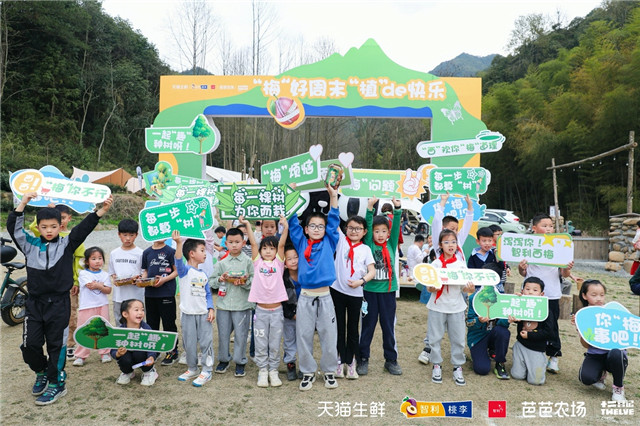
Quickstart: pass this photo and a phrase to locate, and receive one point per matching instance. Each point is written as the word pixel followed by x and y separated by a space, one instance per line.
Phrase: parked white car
pixel 506 214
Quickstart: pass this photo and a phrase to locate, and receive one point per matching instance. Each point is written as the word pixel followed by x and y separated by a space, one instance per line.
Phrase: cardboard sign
pixel 97 333
pixel 456 206
pixel 537 249
pixel 258 201
pixel 191 217
pixel 427 275
pixel 459 180
pixel 59 188
pixel 300 169
pixel 167 187
pixel 485 141
pixel 345 158
pixel 491 304
pixel 608 327
pixel 201 137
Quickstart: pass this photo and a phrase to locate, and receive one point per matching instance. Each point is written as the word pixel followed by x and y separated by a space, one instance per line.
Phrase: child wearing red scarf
pixel 354 267
pixel 446 312
pixel 380 292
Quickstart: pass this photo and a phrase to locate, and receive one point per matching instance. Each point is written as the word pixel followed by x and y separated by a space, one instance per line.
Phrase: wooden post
pixel 630 171
pixel 555 195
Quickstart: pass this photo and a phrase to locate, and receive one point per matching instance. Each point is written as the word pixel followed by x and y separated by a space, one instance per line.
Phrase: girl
pixel 132 313
pixel 446 309
pixel 268 291
pixel 94 284
pixel 598 361
pixel 354 267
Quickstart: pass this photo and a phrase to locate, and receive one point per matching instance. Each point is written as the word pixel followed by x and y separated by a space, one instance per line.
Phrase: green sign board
pixel 471 181
pixel 167 187
pixel 258 201
pixel 201 137
pixel 300 169
pixel 491 304
pixel 485 141
pixel 97 333
pixel 538 249
pixel 344 159
pixel 190 217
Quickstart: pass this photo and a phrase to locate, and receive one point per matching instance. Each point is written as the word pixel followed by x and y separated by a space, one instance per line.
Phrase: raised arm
pixel 283 236
pixel 252 238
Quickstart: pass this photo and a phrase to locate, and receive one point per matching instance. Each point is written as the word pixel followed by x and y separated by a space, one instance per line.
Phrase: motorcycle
pixel 13 293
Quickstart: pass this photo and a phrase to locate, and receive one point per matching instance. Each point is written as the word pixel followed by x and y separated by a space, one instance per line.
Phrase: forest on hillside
pixel 78 87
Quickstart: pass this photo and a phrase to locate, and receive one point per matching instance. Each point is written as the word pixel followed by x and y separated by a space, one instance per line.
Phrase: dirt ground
pixel 94 397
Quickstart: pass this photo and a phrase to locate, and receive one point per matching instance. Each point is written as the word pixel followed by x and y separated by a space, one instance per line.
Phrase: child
pixel 597 362
pixel 415 254
pixel 160 299
pixel 232 277
pixel 380 293
pixel 550 276
pixel 485 254
pixel 268 292
pixel 315 310
pixel 446 311
pixel 126 262
pixel 49 262
pixel 131 316
pixel 483 334
pixel 196 308
pixel 529 360
pixel 246 247
pixel 289 307
pixel 497 231
pixel 354 266
pixel 95 284
pixel 634 282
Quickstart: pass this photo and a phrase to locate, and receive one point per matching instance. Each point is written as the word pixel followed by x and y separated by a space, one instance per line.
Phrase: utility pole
pixel 630 171
pixel 555 196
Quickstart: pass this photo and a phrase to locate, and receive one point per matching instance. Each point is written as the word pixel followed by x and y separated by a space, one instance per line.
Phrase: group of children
pixel 310 277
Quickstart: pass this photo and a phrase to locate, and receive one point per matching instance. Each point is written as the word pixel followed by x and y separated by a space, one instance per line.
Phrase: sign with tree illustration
pixel 300 169
pixel 537 249
pixel 459 180
pixel 491 304
pixel 430 276
pixel 485 141
pixel 455 206
pixel 97 333
pixel 167 187
pixel 345 159
pixel 258 201
pixel 201 137
pixel 191 217
pixel 608 327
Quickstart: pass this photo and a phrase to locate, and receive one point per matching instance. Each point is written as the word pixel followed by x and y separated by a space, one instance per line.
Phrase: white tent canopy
pixel 222 175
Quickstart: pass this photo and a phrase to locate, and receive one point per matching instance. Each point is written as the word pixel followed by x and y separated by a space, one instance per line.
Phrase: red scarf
pixel 307 252
pixel 351 247
pixel 444 265
pixel 386 257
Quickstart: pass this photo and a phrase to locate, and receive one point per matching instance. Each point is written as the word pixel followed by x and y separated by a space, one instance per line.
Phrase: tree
pixel 95 329
pixel 487 296
pixel 201 130
pixel 193 29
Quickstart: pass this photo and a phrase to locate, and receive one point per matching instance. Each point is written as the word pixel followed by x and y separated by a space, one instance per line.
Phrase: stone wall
pixel 622 229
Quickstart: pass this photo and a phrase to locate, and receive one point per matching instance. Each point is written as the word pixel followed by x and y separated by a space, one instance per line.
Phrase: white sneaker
pixel 351 370
pixel 436 374
pixel 424 357
pixel 330 381
pixel 202 379
pixel 149 378
pixel 340 371
pixel 106 358
pixel 600 383
pixel 183 358
pixel 458 377
pixel 263 378
pixel 188 375
pixel 79 362
pixel 618 394
pixel 274 380
pixel 125 378
pixel 552 365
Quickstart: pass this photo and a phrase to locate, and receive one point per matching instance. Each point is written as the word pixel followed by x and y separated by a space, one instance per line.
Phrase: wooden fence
pixel 591 248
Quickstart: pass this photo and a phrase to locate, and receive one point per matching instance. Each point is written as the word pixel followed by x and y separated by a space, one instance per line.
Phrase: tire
pixel 15 300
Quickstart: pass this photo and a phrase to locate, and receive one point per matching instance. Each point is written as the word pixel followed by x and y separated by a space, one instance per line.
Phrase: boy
pixel 160 298
pixel 78 256
pixel 485 255
pixel 232 277
pixel 289 306
pixel 315 310
pixel 550 275
pixel 196 308
pixel 497 231
pixel 380 292
pixel 414 254
pixel 246 246
pixel 529 360
pixel 126 262
pixel 49 262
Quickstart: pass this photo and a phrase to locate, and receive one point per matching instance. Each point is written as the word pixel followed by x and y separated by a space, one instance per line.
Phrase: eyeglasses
pixel 315 227
pixel 449 242
pixel 352 229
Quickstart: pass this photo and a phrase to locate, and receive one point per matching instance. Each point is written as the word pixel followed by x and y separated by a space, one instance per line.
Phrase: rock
pixel 616 219
pixel 632 221
pixel 612 266
pixel 613 234
pixel 616 256
pixel 616 247
pixel 627 265
pixel 630 233
pixel 624 249
pixel 624 228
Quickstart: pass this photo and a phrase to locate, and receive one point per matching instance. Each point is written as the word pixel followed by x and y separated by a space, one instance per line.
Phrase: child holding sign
pixel 95 284
pixel 598 361
pixel 446 311
pixel 131 316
